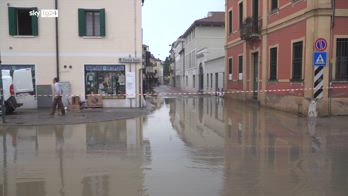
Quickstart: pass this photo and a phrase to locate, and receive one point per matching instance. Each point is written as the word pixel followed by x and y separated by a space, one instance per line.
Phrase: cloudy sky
pixel 165 20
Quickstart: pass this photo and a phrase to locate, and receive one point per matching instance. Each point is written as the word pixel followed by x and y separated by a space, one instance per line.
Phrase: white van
pixel 20 84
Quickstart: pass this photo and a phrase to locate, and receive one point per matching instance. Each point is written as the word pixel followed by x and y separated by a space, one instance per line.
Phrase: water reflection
pixel 89 160
pixel 188 146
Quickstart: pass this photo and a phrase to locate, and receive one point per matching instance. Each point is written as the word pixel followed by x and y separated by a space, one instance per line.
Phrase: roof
pixel 213 19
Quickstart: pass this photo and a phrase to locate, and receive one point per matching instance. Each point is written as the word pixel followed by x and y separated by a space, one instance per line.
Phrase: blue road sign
pixel 319 58
pixel 321 44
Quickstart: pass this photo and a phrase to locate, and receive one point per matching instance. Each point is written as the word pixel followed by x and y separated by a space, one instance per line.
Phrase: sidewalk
pixel 41 117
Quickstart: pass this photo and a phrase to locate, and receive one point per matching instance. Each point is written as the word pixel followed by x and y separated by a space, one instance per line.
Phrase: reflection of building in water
pixel 90 160
pixel 199 123
pixel 271 152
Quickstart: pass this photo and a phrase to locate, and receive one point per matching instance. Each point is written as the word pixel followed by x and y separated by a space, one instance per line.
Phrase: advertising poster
pixel 130 85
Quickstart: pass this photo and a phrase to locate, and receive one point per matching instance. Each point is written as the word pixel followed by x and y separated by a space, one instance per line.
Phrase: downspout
pixel 57 40
pixel 333 18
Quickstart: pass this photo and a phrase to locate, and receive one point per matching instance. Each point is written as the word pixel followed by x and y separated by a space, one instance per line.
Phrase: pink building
pixel 270 46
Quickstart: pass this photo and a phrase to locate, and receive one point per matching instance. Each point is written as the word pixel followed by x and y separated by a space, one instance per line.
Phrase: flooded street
pixel 187 146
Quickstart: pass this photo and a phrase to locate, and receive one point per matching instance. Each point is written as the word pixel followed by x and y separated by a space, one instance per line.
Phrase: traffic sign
pixel 321 44
pixel 319 59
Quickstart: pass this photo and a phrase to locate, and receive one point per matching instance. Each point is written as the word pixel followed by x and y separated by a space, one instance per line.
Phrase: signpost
pixel 319 62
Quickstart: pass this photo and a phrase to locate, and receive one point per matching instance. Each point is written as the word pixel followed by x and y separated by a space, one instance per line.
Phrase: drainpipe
pixel 333 18
pixel 57 40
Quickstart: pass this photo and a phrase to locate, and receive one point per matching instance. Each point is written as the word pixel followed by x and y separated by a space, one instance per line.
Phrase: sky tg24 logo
pixel 45 13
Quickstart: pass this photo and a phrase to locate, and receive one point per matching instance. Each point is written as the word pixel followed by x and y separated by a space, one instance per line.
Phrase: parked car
pixel 20 84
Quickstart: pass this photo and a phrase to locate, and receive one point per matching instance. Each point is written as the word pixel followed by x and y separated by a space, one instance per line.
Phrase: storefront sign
pixel 130 60
pixel 105 67
pixel 130 84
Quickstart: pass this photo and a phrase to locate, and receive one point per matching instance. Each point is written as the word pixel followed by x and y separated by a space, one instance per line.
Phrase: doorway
pixel 255 61
pixel 201 78
pixel 216 82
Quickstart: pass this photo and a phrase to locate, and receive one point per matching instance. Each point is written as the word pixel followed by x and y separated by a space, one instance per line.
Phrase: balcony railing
pixel 251 29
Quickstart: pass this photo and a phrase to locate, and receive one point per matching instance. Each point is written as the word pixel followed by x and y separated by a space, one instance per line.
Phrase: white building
pixel 89 46
pixel 199 55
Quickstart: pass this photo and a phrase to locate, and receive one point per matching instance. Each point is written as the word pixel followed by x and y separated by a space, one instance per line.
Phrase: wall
pixel 123 38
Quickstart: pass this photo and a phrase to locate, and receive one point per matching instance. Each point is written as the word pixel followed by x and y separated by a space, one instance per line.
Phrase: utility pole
pixel 3 112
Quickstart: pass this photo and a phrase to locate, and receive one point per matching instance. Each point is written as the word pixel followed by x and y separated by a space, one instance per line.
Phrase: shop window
pixel 21 22
pixel 273 64
pixel 91 22
pixel 106 80
pixel 297 61
pixel 342 59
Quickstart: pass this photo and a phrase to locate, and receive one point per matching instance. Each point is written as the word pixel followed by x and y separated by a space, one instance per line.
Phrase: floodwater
pixel 188 146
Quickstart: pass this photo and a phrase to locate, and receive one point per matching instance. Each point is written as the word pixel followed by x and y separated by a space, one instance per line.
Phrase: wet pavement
pixel 31 117
pixel 187 146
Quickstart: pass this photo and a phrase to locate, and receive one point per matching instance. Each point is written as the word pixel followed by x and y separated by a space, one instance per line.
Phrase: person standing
pixel 57 97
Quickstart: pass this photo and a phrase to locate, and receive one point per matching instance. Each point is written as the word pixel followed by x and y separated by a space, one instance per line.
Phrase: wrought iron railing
pixel 251 29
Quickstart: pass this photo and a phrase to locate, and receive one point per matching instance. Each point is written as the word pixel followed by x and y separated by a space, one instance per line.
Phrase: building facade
pixel 269 53
pixel 88 47
pixel 199 55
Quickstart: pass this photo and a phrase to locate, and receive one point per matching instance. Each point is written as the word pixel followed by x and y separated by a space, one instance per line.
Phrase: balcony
pixel 251 29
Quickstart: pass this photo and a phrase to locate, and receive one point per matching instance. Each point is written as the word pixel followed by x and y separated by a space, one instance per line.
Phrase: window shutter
pixel 102 22
pixel 12 20
pixel 34 24
pixel 82 22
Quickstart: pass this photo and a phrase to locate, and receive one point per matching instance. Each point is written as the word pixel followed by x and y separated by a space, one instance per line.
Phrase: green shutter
pixel 34 24
pixel 12 20
pixel 82 22
pixel 102 22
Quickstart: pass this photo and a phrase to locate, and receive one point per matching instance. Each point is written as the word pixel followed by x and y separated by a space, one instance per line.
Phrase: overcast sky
pixel 165 20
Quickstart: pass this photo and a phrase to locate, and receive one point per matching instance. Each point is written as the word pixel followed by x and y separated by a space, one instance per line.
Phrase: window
pixel 194 81
pixel 241 15
pixel 207 81
pixel 21 22
pixel 274 5
pixel 273 64
pixel 190 59
pixel 230 29
pixel 297 58
pixel 186 80
pixel 255 9
pixel 211 80
pixel 92 22
pixel 240 67
pixel 342 59
pixel 230 66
